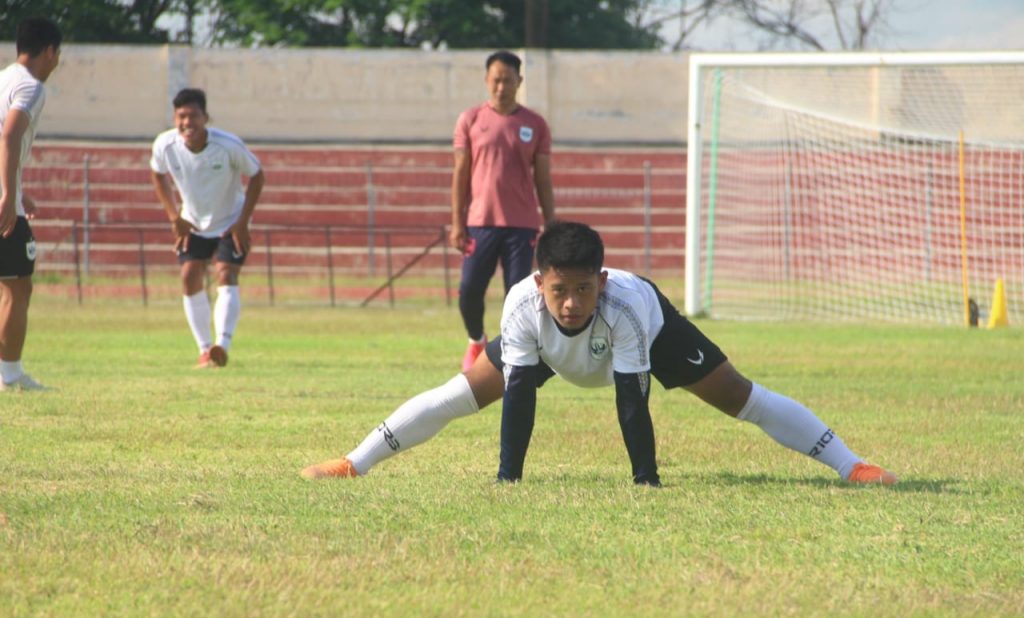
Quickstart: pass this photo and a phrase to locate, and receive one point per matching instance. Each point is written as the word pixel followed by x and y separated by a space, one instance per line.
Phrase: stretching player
pixel 206 165
pixel 596 327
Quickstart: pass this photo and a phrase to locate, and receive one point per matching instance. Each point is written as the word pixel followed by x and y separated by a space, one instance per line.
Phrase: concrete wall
pixel 341 95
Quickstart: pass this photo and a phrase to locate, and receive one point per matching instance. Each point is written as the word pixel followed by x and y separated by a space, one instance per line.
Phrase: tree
pixel 94 21
pixel 692 15
pixel 852 22
pixel 570 24
pixel 489 24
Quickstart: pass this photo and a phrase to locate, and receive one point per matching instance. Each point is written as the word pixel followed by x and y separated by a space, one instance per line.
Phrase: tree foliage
pixel 94 21
pixel 434 24
pixel 571 24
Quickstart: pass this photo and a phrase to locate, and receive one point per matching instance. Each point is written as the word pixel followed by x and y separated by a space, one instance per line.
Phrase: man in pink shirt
pixel 502 174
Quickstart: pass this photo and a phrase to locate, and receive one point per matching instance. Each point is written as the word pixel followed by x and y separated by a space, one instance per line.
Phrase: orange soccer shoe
pixel 333 468
pixel 204 361
pixel 866 474
pixel 473 350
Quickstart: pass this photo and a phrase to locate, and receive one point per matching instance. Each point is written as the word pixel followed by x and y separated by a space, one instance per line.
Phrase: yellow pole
pixel 963 236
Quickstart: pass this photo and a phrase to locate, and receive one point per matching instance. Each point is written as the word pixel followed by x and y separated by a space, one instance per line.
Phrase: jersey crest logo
pixel 525 134
pixel 30 250
pixel 598 347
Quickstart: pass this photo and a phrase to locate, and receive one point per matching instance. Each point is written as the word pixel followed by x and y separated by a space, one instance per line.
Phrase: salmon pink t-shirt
pixel 502 150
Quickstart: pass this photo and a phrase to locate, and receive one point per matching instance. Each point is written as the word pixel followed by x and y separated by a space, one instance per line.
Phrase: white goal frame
pixel 699 66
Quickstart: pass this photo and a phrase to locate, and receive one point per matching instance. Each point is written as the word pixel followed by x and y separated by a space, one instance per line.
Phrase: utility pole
pixel 536 23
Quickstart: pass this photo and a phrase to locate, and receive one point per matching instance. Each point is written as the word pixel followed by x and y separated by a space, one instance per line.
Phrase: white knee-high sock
pixel 197 312
pixel 10 370
pixel 414 422
pixel 794 426
pixel 225 313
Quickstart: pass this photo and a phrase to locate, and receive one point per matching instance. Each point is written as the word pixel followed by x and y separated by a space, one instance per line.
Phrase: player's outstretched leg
pixel 792 425
pixel 414 422
pixel 788 422
pixel 418 420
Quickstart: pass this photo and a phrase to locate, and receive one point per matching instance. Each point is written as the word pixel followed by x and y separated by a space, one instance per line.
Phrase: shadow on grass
pixel 592 480
pixel 935 486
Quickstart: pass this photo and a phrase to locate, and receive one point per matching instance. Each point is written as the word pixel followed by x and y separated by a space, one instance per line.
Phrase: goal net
pixel 860 187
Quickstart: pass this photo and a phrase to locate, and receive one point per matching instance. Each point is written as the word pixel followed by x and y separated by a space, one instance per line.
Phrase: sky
pixel 913 25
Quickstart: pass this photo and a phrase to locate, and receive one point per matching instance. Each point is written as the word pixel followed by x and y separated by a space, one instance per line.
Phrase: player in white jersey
pixel 207 166
pixel 22 97
pixel 629 315
pixel 596 327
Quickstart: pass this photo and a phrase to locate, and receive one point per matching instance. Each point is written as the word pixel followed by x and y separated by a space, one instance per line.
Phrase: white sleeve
pixel 158 161
pixel 243 159
pixel 519 330
pixel 27 97
pixel 630 345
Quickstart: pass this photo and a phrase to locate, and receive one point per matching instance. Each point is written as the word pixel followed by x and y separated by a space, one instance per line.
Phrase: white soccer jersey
pixel 618 338
pixel 19 90
pixel 209 181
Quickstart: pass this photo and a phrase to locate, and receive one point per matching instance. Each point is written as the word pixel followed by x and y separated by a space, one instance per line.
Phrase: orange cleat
pixel 333 468
pixel 473 350
pixel 204 361
pixel 218 356
pixel 866 474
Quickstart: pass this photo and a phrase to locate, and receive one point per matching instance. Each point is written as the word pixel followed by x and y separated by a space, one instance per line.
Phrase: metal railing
pixel 62 251
pixel 141 247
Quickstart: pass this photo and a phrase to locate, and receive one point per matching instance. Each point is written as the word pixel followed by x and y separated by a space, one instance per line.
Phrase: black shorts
pixel 202 248
pixel 487 246
pixel 18 251
pixel 493 351
pixel 680 355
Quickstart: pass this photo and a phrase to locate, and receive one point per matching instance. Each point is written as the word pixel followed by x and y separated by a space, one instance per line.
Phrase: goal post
pixel 855 186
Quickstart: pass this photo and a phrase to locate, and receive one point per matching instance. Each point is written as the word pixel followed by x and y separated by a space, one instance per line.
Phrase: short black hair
pixel 505 57
pixel 567 244
pixel 35 34
pixel 190 96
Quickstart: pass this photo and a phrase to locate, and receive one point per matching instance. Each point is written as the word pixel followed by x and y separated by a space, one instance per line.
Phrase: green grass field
pixel 143 487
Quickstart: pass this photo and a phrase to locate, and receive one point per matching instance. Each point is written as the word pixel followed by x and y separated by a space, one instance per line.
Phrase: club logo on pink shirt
pixel 525 134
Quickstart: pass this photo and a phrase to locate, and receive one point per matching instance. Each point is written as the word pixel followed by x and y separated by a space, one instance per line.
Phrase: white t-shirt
pixel 618 338
pixel 19 90
pixel 209 181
